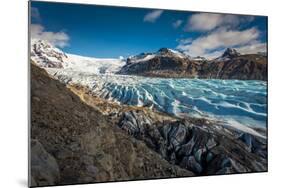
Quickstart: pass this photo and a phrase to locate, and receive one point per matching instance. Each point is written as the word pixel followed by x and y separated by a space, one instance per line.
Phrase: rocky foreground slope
pixel 71 142
pixel 77 137
pixel 174 64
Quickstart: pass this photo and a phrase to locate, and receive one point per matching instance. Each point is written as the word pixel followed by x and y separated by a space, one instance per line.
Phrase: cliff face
pixel 242 67
pixel 231 65
pixel 80 144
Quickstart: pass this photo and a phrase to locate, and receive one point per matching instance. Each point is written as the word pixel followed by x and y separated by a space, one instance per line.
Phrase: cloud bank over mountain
pixel 220 31
pixel 59 39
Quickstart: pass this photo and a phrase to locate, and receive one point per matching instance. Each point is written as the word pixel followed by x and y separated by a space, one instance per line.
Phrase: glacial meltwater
pixel 241 103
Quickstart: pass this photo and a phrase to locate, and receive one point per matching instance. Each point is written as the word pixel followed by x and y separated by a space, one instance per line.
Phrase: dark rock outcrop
pixel 230 53
pixel 202 148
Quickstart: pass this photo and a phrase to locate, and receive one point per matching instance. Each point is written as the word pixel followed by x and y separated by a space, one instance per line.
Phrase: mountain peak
pixel 230 52
pixel 46 55
pixel 164 50
pixel 171 52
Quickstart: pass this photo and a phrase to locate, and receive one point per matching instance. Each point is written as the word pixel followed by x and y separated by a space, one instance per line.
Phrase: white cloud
pixel 35 14
pixel 214 54
pixel 177 23
pixel 210 21
pixel 152 16
pixel 184 41
pixel 59 39
pixel 253 48
pixel 222 38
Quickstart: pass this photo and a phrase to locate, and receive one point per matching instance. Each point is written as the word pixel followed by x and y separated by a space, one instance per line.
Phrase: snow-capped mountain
pixel 142 57
pixel 170 52
pixel 163 52
pixel 228 54
pixel 47 56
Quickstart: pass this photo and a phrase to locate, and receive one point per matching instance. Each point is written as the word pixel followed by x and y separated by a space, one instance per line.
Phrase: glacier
pixel 238 103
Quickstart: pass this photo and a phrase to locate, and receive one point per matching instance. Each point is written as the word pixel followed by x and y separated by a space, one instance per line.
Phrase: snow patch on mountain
pixel 199 58
pixel 178 53
pixel 140 58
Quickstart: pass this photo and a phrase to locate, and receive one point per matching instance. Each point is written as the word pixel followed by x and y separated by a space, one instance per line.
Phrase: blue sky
pixel 110 32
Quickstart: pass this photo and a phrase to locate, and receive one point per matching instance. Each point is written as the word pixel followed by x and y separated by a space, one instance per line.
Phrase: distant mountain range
pixel 163 63
pixel 171 63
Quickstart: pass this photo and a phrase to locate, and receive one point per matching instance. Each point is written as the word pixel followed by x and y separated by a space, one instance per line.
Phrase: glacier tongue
pixel 181 97
pixel 93 65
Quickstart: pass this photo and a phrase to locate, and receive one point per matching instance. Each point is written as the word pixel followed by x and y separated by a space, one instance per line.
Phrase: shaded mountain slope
pixel 244 67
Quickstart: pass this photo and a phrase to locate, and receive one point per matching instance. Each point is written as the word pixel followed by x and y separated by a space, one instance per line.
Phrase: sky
pixel 113 32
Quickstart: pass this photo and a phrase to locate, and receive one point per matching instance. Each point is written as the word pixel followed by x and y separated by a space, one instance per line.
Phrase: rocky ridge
pixel 173 64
